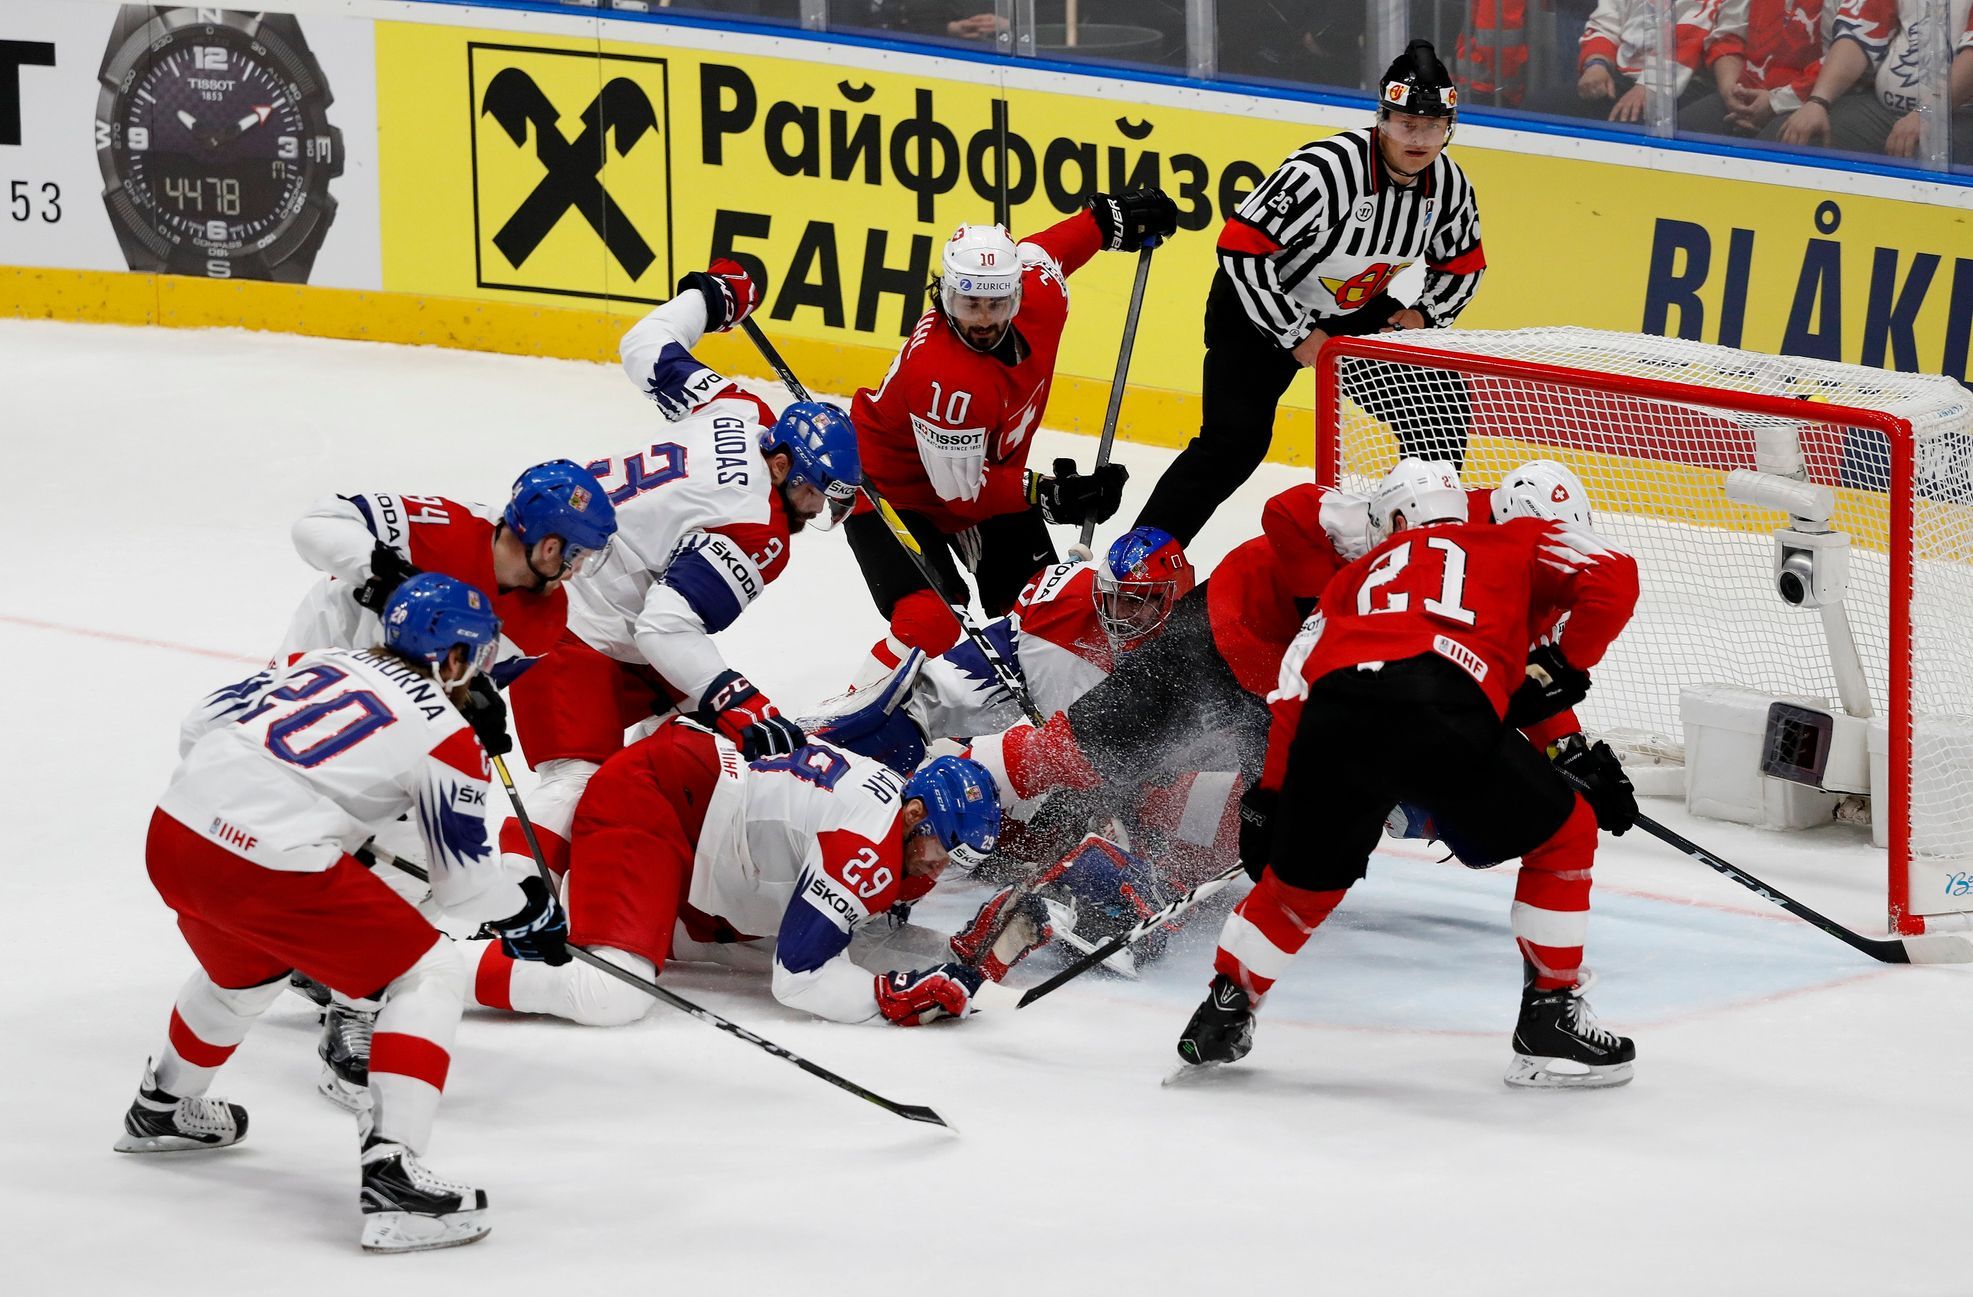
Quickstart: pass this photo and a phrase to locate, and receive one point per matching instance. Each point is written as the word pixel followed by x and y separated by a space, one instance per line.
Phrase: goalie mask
pixel 1541 488
pixel 1421 492
pixel 1140 577
pixel 980 284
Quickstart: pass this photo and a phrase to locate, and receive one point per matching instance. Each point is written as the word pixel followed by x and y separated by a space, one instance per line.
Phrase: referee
pixel 1310 255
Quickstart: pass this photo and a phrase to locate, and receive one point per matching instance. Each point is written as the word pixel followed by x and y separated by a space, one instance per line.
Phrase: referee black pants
pixel 1246 373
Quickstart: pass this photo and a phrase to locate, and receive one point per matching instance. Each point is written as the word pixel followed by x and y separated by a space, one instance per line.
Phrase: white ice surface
pixel 1799 1124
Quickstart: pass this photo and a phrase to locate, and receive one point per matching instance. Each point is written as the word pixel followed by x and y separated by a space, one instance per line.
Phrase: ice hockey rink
pixel 1800 1122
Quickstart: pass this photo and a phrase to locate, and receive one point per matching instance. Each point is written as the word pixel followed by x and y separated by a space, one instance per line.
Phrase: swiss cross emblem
pixel 1560 494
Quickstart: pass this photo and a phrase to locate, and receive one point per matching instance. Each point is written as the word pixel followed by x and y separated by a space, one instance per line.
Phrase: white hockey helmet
pixel 980 283
pixel 1423 491
pixel 1345 517
pixel 1541 488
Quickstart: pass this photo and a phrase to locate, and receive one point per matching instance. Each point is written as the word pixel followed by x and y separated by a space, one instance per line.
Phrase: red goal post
pixel 1654 426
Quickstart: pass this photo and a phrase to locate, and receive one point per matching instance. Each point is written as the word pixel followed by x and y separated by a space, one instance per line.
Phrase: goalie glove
pixel 1551 686
pixel 1600 778
pixel 388 570
pixel 914 999
pixel 1006 929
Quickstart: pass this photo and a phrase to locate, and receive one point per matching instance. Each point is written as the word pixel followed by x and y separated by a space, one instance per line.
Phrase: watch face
pixel 215 149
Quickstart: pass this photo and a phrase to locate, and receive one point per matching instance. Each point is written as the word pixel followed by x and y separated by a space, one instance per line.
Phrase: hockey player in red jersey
pixel 1194 698
pixel 705 513
pixel 682 850
pixel 944 438
pixel 287 774
pixel 1410 689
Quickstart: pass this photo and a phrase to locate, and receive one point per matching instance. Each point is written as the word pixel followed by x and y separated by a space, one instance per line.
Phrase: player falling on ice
pixel 251 844
pixel 1071 627
pixel 945 436
pixel 704 513
pixel 682 850
pixel 1411 690
pixel 556 521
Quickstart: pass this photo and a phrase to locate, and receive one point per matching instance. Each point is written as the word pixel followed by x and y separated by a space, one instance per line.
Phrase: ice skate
pixel 1558 1044
pixel 345 1053
pixel 162 1123
pixel 312 991
pixel 406 1208
pixel 1222 1028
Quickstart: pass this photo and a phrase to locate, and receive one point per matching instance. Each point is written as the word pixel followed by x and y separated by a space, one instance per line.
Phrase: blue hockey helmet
pixel 961 806
pixel 1142 575
pixel 430 613
pixel 821 442
pixel 562 498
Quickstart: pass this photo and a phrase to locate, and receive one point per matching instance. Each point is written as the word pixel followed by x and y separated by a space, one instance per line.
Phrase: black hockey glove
pixel 1070 498
pixel 540 932
pixel 388 571
pixel 1600 777
pixel 486 711
pixel 1552 686
pixel 1257 829
pixel 1129 221
pixel 731 294
pixel 1365 320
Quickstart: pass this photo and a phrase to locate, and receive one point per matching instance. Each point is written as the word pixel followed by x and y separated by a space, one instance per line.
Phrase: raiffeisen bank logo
pixel 571 172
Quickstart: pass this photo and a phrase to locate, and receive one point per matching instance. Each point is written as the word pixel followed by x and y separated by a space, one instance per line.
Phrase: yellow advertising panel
pixel 591 173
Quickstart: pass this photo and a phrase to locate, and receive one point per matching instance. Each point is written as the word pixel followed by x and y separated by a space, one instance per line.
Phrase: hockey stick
pixel 1122 939
pixel 1931 948
pixel 908 1111
pixel 1109 437
pixel 1009 680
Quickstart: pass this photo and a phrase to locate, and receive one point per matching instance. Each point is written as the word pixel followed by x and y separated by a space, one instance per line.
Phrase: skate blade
pixel 405 1231
pixel 1532 1072
pixel 1187 1073
pixel 350 1098
pixel 129 1143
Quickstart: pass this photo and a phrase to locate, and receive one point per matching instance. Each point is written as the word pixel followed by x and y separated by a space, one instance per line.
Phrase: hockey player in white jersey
pixel 285 775
pixel 705 511
pixel 557 520
pixel 682 850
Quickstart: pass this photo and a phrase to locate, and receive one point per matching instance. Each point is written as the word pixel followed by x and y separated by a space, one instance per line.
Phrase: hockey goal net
pixel 1653 426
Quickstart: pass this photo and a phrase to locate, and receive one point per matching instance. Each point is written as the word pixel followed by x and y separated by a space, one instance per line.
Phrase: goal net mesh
pixel 1620 410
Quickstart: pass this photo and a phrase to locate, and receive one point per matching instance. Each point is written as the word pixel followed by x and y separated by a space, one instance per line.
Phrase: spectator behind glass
pixel 1866 39
pixel 969 20
pixel 1764 56
pixel 1903 140
pixel 1619 61
pixel 1491 59
pixel 1286 40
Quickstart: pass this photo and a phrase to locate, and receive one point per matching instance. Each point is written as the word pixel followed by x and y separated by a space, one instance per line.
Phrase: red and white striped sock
pixel 1266 930
pixel 208 1022
pixel 411 1051
pixel 1551 900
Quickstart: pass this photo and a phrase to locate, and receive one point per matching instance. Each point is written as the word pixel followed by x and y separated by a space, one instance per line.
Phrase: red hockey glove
pixel 1004 931
pixel 914 999
pixel 742 714
pixel 730 294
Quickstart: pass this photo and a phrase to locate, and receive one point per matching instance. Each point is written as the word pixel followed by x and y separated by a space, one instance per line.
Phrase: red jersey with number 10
pixel 1478 595
pixel 946 434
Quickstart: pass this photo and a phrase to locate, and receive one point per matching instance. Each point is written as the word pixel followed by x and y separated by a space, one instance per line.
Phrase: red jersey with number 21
pixel 1477 594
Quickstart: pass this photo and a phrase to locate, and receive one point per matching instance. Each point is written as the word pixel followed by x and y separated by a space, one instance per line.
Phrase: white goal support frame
pixel 1653 426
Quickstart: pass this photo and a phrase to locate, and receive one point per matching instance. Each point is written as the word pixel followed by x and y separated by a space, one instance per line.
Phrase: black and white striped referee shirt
pixel 1327 233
